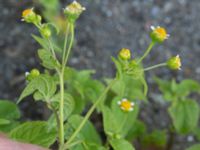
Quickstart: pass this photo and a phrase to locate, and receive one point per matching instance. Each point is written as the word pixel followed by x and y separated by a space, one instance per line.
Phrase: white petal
pixel 131 109
pixel 119 102
pixel 152 27
pixel 124 100
pixel 132 103
pixel 27 73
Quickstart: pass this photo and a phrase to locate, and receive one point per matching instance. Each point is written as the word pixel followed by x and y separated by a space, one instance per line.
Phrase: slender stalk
pixel 89 114
pixel 155 66
pixel 70 44
pixel 51 48
pixel 61 112
pixel 147 51
pixel 61 77
pixel 65 42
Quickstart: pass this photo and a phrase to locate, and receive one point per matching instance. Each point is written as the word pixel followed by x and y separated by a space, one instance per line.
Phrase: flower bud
pixel 30 16
pixel 45 31
pixel 174 63
pixel 125 54
pixel 31 75
pixel 73 11
pixel 158 34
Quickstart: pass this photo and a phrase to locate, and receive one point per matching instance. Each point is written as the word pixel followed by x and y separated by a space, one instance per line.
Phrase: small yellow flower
pixel 126 105
pixel 159 34
pixel 27 12
pixel 125 54
pixel 73 10
pixel 174 63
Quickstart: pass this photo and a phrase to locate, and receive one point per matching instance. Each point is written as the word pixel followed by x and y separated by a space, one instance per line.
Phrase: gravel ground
pixel 106 27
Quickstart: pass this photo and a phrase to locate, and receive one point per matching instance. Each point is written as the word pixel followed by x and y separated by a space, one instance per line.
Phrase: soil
pixel 105 28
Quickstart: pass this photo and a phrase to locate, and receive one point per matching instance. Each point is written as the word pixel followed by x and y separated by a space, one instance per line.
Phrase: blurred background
pixel 102 30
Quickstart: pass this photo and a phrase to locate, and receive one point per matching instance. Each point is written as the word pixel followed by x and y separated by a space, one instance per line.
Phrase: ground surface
pixel 106 27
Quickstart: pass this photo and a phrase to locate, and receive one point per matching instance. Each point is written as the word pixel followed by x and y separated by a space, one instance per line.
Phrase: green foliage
pixel 194 147
pixel 44 85
pixel 69 104
pixel 117 123
pixel 68 93
pixel 35 132
pixel 185 115
pixel 9 114
pixel 121 144
pixel 82 87
pixel 47 59
pixel 88 134
pixel 184 111
pixel 157 138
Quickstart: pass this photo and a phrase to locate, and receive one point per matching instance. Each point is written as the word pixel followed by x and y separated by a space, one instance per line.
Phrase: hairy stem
pixel 61 111
pixel 70 44
pixel 89 113
pixel 155 66
pixel 65 42
pixel 146 52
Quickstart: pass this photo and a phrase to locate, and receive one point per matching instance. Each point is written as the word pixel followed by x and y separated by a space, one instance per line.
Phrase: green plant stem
pixel 62 89
pixel 70 44
pixel 61 112
pixel 65 42
pixel 89 113
pixel 155 66
pixel 51 48
pixel 147 51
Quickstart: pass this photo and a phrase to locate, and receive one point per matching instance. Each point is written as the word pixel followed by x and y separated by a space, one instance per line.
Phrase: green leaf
pixel 9 110
pixel 44 84
pixel 48 60
pixel 41 41
pixel 68 103
pixel 4 121
pixel 129 88
pixel 187 86
pixel 138 130
pixel 35 132
pixel 88 133
pixel 109 121
pixel 156 138
pixel 194 147
pixel 121 144
pixel 82 87
pixel 125 120
pixel 185 115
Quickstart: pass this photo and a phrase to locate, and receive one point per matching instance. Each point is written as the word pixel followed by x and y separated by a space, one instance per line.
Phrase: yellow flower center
pixel 125 54
pixel 126 105
pixel 161 32
pixel 26 12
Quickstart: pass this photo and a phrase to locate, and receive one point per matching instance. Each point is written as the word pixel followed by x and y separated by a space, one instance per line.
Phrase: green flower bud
pixel 45 31
pixel 30 16
pixel 158 34
pixel 31 75
pixel 174 63
pixel 73 11
pixel 125 54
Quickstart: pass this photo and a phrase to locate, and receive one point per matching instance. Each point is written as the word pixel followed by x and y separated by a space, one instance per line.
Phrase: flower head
pixel 32 74
pixel 174 63
pixel 125 54
pixel 30 16
pixel 74 10
pixel 159 34
pixel 126 105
